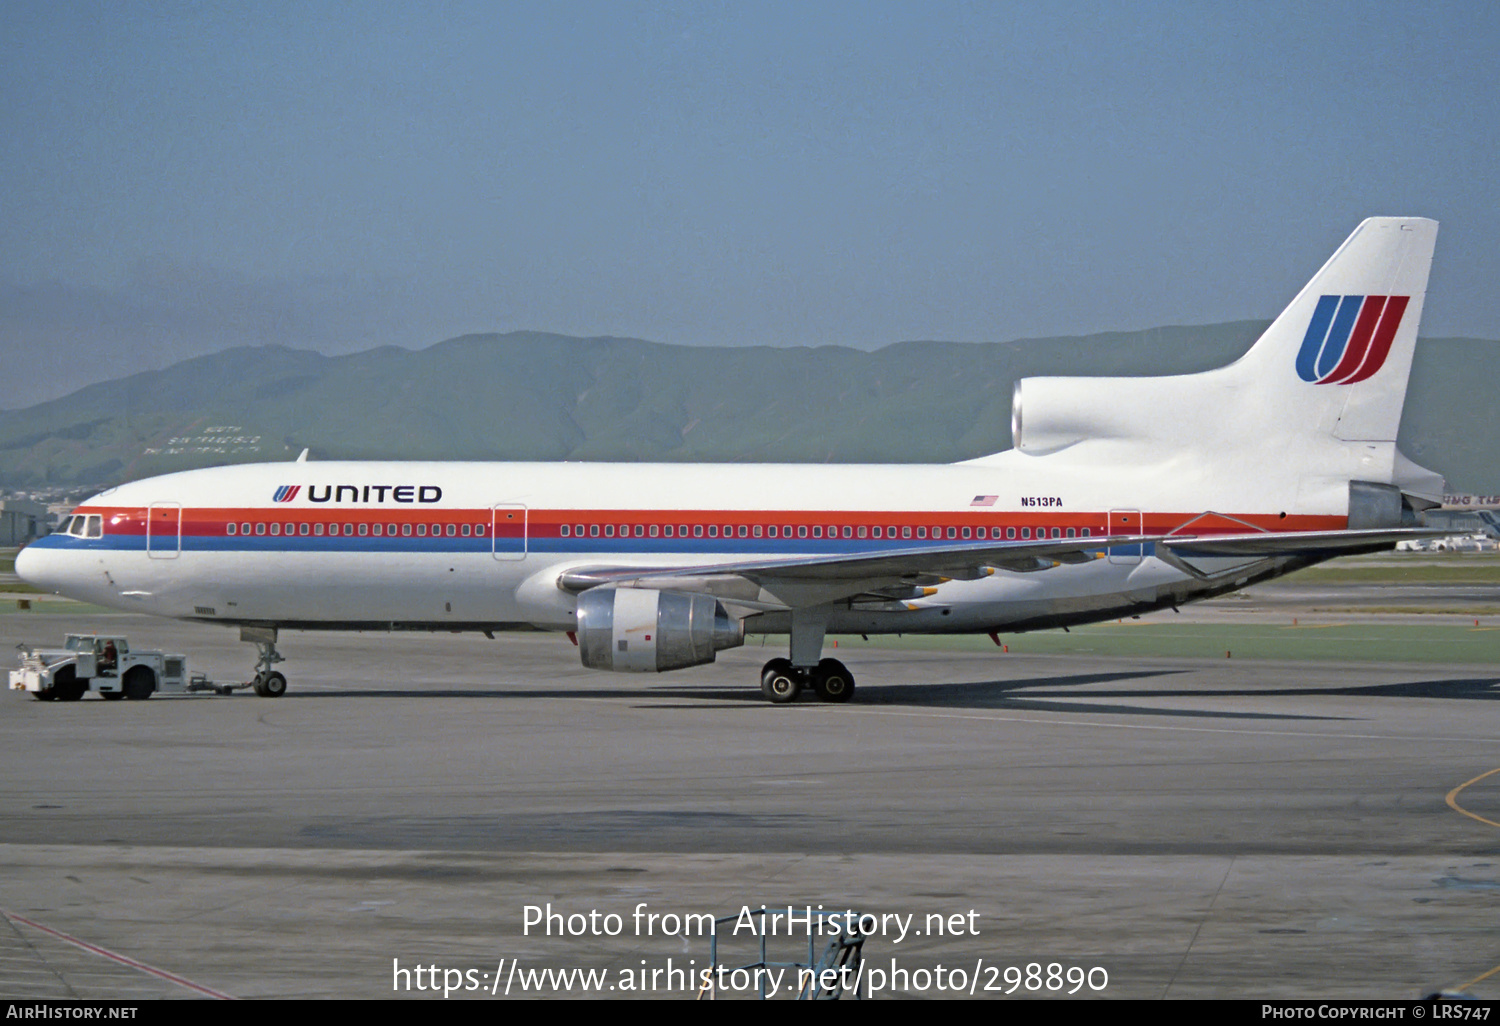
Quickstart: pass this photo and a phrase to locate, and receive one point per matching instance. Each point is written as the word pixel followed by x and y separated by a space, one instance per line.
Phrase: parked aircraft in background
pixel 1122 495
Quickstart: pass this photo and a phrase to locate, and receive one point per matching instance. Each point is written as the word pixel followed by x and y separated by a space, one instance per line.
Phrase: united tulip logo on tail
pixel 286 493
pixel 1349 338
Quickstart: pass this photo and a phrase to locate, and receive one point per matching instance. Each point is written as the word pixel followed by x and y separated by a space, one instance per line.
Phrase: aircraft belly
pixel 316 587
pixel 1010 601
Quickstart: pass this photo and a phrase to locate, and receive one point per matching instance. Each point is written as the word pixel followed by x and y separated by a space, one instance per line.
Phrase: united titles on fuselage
pixel 364 493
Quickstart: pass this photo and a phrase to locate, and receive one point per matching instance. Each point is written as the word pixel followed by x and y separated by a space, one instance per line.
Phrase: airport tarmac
pixel 1193 828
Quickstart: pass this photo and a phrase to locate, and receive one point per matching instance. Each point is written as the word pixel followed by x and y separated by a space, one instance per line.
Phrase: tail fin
pixel 1338 358
pixel 1320 394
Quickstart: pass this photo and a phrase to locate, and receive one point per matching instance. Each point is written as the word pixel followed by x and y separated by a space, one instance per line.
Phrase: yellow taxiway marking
pixel 1483 976
pixel 1453 798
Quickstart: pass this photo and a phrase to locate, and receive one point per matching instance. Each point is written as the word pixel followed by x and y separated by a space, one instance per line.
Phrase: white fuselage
pixel 483 545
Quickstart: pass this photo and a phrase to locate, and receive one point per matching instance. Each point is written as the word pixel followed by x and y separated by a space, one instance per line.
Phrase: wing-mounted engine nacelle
pixel 641 630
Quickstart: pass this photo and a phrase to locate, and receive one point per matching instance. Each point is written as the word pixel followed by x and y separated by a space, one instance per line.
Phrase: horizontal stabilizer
pixel 1298 543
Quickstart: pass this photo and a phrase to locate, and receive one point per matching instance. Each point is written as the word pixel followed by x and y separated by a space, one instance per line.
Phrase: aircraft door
pixel 1125 521
pixel 163 530
pixel 508 530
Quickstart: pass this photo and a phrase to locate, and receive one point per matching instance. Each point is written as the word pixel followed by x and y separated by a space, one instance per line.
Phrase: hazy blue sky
pixel 177 178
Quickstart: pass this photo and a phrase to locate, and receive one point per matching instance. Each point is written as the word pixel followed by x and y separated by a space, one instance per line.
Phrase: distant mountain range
pixel 536 396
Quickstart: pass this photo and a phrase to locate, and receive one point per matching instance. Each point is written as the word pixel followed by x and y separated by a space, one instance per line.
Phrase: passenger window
pixel 655 530
pixel 304 529
pixel 817 530
pixel 260 528
pixel 244 528
pixel 1070 532
pixel 801 530
pixel 667 530
pixel 757 531
pixel 479 530
pixel 640 530
pixel 697 530
pixel 1056 533
pixel 862 532
pixel 405 530
pixel 875 532
pixel 1025 533
pixel 609 530
pixel 364 529
pixel 771 532
pixel 713 530
pixel 318 530
pixel 421 530
pixel 966 533
pixel 451 531
pixel 375 529
pixel 921 532
pixel 275 528
pixel 593 530
pixel 229 528
pixel 349 529
pixel 848 532
pixel 563 530
pixel 578 530
pixel 1087 533
pixel 466 530
pixel 1010 532
pixel 744 532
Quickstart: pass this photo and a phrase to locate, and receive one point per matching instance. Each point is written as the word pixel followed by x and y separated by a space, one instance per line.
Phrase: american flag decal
pixel 984 500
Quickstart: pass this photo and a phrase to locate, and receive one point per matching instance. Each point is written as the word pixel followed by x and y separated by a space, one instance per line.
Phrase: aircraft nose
pixel 32 566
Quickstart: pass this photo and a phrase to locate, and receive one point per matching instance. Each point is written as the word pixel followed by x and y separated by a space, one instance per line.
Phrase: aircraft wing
pixel 812 579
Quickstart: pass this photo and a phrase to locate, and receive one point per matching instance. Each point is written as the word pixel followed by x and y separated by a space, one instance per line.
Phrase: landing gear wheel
pixel 44 695
pixel 112 696
pixel 832 681
pixel 138 684
pixel 780 681
pixel 66 687
pixel 273 686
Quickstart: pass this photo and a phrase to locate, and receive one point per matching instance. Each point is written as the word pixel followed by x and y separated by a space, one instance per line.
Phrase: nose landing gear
pixel 268 683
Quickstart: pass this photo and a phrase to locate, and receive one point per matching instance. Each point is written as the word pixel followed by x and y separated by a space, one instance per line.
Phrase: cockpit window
pixel 80 526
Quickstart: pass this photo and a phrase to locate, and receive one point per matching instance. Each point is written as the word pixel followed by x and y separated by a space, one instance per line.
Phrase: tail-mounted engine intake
pixel 640 630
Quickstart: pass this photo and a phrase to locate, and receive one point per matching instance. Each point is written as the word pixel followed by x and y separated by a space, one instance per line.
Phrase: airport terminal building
pixel 21 521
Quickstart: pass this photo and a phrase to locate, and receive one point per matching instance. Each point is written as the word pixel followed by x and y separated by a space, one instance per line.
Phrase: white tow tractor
pixel 108 665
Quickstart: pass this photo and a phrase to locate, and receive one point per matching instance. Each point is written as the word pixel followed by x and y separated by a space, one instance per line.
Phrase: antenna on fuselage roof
pixel 303 457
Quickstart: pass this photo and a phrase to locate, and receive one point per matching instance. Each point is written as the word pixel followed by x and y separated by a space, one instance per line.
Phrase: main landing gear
pixel 268 683
pixel 830 680
pixel 783 680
